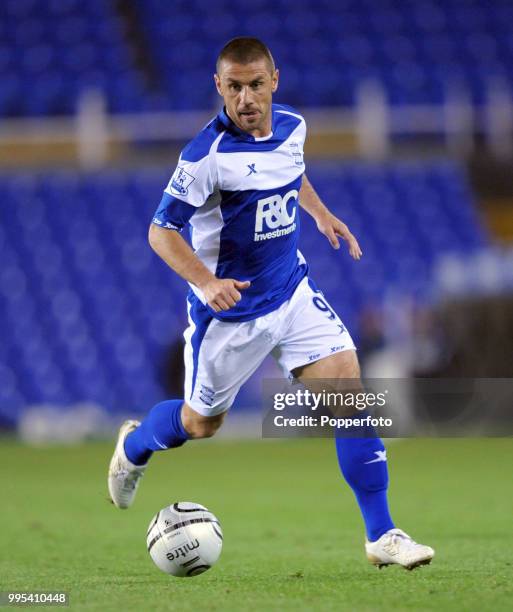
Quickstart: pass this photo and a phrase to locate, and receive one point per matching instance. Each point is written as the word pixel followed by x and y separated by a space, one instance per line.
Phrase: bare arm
pixel 221 294
pixel 327 223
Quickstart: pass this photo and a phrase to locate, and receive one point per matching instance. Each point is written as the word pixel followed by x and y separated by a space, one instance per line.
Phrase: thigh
pixel 339 374
pixel 314 335
pixel 342 365
pixel 219 358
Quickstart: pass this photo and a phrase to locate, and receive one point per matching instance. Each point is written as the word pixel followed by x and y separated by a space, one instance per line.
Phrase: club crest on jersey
pixel 180 182
pixel 296 153
pixel 272 214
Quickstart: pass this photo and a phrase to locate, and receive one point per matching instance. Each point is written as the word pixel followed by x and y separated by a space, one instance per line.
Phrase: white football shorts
pixel 220 356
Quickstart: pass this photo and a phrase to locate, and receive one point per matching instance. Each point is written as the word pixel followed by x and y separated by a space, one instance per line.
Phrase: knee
pixel 198 426
pixel 202 430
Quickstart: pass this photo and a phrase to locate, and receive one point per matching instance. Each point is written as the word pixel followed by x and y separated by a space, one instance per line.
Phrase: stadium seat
pixel 88 311
pixel 50 51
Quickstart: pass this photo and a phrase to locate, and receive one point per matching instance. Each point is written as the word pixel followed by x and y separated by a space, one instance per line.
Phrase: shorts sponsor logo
pixel 273 215
pixel 167 225
pixel 314 357
pixel 180 182
pixel 334 349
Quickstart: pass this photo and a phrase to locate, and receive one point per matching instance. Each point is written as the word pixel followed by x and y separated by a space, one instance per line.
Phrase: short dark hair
pixel 244 50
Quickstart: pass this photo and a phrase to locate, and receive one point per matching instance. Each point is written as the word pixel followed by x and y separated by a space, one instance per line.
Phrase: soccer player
pixel 239 184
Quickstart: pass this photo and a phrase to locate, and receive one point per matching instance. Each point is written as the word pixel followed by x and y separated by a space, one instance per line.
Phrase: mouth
pixel 248 114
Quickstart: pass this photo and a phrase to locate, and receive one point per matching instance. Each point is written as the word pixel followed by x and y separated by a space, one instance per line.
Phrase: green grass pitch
pixel 293 536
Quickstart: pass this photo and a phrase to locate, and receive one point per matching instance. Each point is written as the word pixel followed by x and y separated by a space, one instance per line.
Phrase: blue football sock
pixel 161 429
pixel 362 461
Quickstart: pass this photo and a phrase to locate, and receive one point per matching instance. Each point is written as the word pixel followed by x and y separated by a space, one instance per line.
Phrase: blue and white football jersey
pixel 240 195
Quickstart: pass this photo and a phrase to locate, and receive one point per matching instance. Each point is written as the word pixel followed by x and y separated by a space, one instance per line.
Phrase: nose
pixel 245 97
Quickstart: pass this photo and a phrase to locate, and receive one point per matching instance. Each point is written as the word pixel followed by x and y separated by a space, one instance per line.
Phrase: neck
pixel 263 130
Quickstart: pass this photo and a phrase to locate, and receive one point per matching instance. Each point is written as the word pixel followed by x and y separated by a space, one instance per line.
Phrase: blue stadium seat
pixel 88 311
pixel 417 50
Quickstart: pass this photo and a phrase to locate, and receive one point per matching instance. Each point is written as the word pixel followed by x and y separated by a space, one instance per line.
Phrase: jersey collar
pixel 229 124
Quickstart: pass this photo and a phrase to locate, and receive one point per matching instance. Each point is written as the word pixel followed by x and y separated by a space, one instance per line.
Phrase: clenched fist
pixel 223 293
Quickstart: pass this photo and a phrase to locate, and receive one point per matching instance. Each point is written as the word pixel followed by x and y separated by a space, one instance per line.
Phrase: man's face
pixel 247 91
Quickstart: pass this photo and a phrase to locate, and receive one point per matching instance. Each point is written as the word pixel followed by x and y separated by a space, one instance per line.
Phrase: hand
pixel 223 293
pixel 332 227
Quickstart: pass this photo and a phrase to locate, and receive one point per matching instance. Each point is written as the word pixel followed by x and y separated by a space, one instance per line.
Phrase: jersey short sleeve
pixel 189 188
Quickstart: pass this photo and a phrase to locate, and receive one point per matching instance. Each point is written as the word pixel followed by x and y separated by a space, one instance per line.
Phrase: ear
pixel 217 81
pixel 275 79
